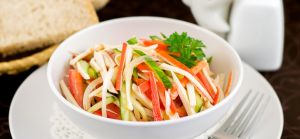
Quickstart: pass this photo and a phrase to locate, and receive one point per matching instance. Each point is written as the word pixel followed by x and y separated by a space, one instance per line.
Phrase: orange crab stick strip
pixel 162 91
pixel 160 44
pixel 178 64
pixel 196 69
pixel 142 68
pixel 122 61
pixel 155 99
pixel 216 98
pixel 229 83
pixel 205 83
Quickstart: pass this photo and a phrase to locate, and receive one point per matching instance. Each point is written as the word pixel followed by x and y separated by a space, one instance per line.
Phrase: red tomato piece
pixel 112 111
pixel 76 86
pixel 143 87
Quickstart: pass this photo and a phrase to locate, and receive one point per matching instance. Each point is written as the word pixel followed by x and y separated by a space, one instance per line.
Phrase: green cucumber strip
pixel 114 77
pixel 163 35
pixel 117 52
pixel 155 38
pixel 179 76
pixel 135 74
pixel 92 73
pixel 85 66
pixel 199 103
pixel 98 105
pixel 208 59
pixel 161 76
pixel 124 111
pixel 132 41
pixel 168 73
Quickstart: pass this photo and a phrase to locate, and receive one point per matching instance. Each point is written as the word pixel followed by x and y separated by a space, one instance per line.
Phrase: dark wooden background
pixel 285 81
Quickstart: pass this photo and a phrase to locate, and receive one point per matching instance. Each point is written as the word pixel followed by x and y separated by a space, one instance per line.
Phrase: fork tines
pixel 237 126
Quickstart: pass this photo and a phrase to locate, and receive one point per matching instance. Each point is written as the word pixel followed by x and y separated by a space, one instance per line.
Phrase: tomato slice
pixel 139 81
pixel 147 92
pixel 144 86
pixel 181 111
pixel 113 111
pixel 76 86
pixel 173 91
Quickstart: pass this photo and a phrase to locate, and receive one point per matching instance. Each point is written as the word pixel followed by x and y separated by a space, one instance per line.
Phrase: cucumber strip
pixel 179 76
pixel 208 59
pixel 155 38
pixel 163 35
pixel 135 74
pixel 124 111
pixel 168 73
pixel 98 105
pixel 161 76
pixel 114 77
pixel 85 66
pixel 199 103
pixel 117 52
pixel 94 65
pixel 132 41
pixel 82 70
pixel 93 74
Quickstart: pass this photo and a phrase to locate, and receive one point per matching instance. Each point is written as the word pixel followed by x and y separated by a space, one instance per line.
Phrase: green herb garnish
pixel 190 49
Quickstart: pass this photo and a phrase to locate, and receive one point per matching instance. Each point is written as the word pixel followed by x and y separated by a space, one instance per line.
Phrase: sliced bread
pixel 19 65
pixel 99 4
pixel 30 24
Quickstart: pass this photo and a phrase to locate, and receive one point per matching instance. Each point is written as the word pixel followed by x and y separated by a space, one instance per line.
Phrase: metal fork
pixel 238 129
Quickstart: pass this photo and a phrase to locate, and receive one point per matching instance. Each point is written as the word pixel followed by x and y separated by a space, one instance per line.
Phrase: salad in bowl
pixel 175 85
pixel 163 78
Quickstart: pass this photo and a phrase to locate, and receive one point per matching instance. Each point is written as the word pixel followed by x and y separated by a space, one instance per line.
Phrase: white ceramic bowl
pixel 116 32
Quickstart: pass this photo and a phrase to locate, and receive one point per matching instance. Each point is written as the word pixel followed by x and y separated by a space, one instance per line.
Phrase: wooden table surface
pixel 285 81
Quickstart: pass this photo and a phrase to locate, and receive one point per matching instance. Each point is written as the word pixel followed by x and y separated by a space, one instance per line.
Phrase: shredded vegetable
pixel 145 80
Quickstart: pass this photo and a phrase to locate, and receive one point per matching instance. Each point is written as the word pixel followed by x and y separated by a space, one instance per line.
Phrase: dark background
pixel 285 81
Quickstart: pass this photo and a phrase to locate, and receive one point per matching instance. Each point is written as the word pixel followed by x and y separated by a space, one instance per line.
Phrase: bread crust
pixel 20 30
pixel 23 64
pixel 99 4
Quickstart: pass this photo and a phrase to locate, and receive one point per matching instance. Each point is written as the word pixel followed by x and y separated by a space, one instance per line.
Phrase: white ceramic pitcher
pixel 255 28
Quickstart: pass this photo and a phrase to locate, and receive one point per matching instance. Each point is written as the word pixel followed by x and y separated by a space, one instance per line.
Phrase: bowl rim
pixel 142 124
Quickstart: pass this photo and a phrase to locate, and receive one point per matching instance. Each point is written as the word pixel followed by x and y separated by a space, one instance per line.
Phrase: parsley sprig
pixel 190 49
